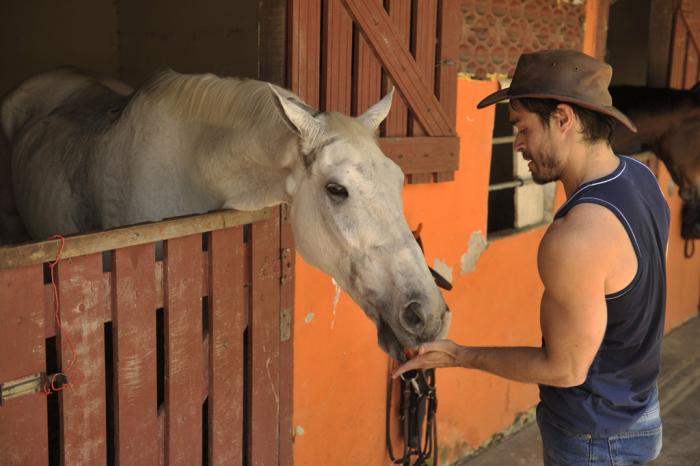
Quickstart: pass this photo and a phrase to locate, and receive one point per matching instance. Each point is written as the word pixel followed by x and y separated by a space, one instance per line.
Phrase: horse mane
pixel 652 99
pixel 216 101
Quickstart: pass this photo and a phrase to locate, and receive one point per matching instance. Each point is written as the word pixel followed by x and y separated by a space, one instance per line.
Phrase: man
pixel 602 263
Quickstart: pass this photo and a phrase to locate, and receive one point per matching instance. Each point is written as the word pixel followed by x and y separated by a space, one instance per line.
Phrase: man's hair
pixel 595 126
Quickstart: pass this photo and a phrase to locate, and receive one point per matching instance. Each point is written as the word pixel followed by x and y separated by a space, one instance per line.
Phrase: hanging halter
pixel 417 406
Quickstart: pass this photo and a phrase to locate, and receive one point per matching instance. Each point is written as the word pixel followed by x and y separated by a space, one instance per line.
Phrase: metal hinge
pixel 285 324
pixel 29 385
pixel 286 264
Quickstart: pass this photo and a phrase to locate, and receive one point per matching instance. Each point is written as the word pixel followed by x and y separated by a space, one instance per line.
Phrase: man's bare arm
pixel 574 260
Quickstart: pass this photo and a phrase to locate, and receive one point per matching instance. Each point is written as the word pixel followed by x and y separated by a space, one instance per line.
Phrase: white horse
pixel 88 153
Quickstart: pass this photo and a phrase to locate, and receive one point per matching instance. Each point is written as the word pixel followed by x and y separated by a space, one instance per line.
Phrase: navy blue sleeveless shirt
pixel 621 381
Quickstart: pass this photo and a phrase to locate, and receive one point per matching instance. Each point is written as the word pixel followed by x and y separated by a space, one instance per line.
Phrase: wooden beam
pixel 423 154
pixel 45 251
pixel 400 65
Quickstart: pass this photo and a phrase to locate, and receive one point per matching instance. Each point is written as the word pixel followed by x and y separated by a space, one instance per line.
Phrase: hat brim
pixel 504 94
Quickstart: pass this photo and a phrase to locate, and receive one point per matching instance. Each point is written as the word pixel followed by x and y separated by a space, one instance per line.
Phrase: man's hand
pixel 442 353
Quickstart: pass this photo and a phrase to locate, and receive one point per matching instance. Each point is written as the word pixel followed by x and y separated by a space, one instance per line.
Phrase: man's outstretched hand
pixel 441 353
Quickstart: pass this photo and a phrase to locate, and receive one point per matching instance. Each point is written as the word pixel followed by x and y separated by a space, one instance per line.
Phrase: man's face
pixel 535 144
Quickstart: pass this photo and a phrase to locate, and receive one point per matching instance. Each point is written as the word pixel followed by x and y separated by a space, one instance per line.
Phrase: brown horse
pixel 669 125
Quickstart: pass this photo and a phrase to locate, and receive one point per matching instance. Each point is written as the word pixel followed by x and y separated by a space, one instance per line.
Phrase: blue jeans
pixel 637 445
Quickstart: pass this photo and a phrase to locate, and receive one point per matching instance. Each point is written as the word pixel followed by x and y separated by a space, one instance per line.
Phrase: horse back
pixel 56 122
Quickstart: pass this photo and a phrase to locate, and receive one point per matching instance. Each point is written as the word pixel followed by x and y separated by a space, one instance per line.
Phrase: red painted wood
pixel 23 420
pixel 305 53
pixel 369 74
pixel 286 348
pixel 397 121
pixel 183 351
pixel 264 343
pixel 228 319
pixel 376 26
pixel 448 53
pixel 134 334
pixel 425 43
pixel 83 405
pixel 337 38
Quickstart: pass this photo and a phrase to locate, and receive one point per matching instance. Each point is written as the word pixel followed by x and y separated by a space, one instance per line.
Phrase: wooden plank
pixel 286 350
pixel 661 29
pixel 337 75
pixel 444 176
pixel 183 351
pixel 81 345
pixel 423 154
pixel 264 335
pixel 134 334
pixel 397 121
pixel 691 67
pixel 23 420
pixel 448 53
pixel 398 62
pixel 680 34
pixel 272 17
pixel 368 74
pixel 691 17
pixel 418 178
pixel 425 24
pixel 602 28
pixel 45 251
pixel 305 52
pixel 228 319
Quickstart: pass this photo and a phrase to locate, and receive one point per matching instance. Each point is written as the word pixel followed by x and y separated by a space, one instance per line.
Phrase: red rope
pixel 50 385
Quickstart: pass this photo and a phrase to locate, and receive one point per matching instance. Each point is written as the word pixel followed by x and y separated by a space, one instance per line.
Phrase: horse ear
pixel 301 121
pixel 378 112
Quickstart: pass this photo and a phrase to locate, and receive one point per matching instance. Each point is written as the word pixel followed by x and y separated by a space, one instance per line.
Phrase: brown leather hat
pixel 564 75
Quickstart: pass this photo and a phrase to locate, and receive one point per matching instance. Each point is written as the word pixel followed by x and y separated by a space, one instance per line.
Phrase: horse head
pixel 347 218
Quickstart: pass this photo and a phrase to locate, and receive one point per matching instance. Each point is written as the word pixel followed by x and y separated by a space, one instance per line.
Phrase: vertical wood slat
pixel 286 348
pixel 679 52
pixel 397 121
pixel 369 74
pixel 23 420
pixel 691 66
pixel 425 23
pixel 264 334
pixel 337 75
pixel 183 351
pixel 448 45
pixel 134 334
pixel 305 53
pixel 228 319
pixel 83 404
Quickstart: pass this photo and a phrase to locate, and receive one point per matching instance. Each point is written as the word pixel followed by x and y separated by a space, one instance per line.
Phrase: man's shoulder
pixel 586 231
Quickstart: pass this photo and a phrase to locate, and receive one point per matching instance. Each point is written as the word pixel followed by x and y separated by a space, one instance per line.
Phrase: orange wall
pixel 340 374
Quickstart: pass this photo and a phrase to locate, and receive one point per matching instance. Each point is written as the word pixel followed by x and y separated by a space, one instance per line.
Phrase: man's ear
pixel 300 120
pixel 564 117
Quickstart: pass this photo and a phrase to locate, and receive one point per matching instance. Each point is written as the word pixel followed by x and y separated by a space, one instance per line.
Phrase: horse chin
pixel 389 342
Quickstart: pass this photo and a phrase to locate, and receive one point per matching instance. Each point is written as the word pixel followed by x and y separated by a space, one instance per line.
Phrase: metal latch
pixel 29 385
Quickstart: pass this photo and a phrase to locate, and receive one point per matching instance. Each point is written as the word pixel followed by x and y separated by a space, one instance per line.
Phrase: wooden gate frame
pixel 333 68
pixel 239 273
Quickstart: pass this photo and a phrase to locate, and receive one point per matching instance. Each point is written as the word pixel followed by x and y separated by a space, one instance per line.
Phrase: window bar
pixel 516 183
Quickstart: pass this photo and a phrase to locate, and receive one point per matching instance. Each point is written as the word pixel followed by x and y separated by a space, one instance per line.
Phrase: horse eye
pixel 337 190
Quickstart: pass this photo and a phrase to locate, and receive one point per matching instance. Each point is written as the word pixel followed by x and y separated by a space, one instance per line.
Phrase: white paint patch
pixel 299 431
pixel 309 317
pixel 443 269
pixel 477 246
pixel 336 298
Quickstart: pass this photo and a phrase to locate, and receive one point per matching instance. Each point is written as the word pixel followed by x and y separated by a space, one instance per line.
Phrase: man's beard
pixel 546 170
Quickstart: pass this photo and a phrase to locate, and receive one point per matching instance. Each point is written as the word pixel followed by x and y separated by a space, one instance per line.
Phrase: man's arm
pixel 574 259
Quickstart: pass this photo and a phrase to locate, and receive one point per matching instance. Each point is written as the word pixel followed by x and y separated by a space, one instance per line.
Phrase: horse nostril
pixel 411 318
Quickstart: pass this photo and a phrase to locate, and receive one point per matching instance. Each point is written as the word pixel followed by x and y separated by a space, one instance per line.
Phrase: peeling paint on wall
pixel 309 317
pixel 443 269
pixel 477 246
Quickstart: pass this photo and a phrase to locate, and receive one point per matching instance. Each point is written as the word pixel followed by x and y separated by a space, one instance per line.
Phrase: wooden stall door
pixel 346 54
pixel 180 360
